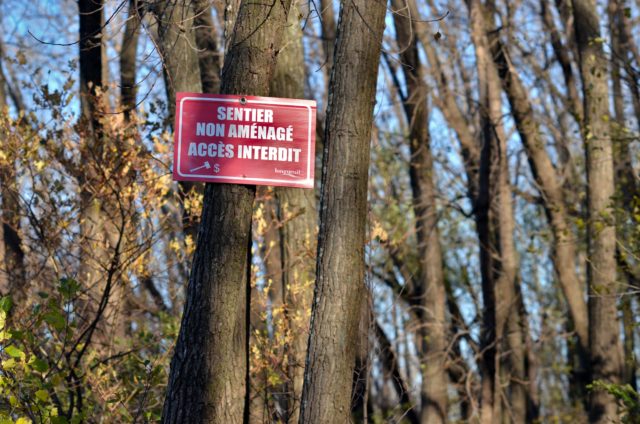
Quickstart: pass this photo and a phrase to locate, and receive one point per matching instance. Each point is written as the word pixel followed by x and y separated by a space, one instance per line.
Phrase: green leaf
pixel 38 364
pixel 55 319
pixel 5 303
pixel 13 351
pixel 59 420
pixel 68 288
pixel 42 395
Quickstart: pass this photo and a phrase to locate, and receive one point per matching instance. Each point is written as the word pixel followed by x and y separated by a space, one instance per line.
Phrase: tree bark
pixel 298 234
pixel 604 341
pixel 208 49
pixel 128 55
pixel 207 381
pixel 340 269
pixel 12 271
pixel 626 187
pixel 100 236
pixel 502 328
pixel 430 290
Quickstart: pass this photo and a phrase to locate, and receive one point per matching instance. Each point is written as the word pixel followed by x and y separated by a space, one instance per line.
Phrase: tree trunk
pixel 604 341
pixel 340 270
pixel 128 55
pixel 298 234
pixel 626 187
pixel 208 50
pixel 328 20
pixel 12 272
pixel 548 182
pixel 177 38
pixel 98 231
pixel 207 381
pixel 430 291
pixel 502 329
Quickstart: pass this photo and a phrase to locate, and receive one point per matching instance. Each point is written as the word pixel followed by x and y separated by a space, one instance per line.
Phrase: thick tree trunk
pixel 604 341
pixel 207 381
pixel 340 270
pixel 430 291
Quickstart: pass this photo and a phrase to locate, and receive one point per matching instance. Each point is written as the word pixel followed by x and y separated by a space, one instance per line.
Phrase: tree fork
pixel 208 371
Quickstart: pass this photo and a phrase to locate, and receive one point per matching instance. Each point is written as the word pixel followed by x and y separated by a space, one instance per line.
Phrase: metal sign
pixel 244 140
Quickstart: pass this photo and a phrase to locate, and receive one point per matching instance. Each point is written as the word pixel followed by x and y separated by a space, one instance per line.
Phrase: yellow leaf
pixel 42 395
pixel 23 420
pixel 8 363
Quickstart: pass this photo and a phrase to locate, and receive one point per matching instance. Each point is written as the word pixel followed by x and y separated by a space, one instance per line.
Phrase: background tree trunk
pixel 604 341
pixel 298 233
pixel 430 294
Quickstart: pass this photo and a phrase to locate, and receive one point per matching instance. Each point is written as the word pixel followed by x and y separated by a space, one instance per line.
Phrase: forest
pixel 469 253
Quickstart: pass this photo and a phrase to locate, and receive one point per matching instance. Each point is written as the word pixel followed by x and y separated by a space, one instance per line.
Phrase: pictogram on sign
pixel 244 140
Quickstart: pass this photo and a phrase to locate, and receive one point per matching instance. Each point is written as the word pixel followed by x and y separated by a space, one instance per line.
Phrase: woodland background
pixel 502 276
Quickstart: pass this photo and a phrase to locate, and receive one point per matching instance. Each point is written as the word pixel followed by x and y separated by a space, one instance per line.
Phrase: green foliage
pixel 627 397
pixel 46 379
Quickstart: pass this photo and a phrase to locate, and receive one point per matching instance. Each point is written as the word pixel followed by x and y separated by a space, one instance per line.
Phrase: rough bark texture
pixel 430 291
pixel 207 381
pixel 340 269
pixel 298 234
pixel 604 341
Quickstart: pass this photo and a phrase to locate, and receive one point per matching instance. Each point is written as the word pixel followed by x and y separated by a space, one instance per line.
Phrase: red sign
pixel 244 140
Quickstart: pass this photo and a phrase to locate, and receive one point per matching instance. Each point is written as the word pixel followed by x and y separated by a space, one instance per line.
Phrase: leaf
pixel 38 364
pixel 13 351
pixel 68 288
pixel 8 364
pixel 5 303
pixel 42 395
pixel 627 12
pixel 55 319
